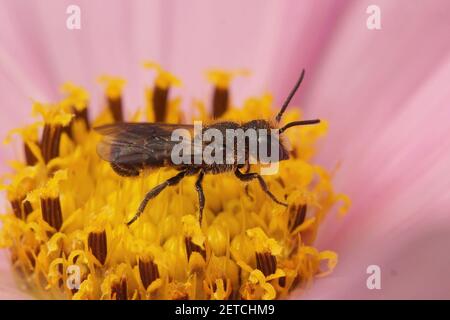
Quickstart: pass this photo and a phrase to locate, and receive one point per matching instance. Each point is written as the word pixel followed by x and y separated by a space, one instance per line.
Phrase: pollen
pixel 113 93
pixel 65 225
pixel 221 80
pixel 159 107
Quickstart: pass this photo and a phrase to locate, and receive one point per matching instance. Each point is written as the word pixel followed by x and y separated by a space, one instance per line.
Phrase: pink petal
pixel 385 94
pixel 8 286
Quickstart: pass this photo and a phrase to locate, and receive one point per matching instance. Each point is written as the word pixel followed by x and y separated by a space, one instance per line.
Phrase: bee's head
pixel 268 140
pixel 271 136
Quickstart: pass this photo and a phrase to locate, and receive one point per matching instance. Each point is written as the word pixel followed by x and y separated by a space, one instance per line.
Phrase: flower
pixel 69 211
pixel 384 101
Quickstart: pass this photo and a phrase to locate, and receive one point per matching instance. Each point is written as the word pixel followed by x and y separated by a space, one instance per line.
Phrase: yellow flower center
pixel 66 230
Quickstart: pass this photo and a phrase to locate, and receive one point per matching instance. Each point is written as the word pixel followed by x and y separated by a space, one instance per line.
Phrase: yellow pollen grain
pixel 222 78
pixel 113 85
pixel 76 97
pixel 164 79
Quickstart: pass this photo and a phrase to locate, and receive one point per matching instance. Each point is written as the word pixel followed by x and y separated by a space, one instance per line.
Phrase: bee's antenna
pixel 298 123
pixel 286 103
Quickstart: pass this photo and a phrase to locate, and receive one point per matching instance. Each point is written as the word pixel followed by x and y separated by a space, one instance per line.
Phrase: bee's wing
pixel 138 143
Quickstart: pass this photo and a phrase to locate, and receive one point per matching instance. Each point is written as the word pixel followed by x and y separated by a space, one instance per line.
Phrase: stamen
pixel 220 101
pixel 97 244
pixel 77 100
pixel 79 115
pixel 29 135
pixel 51 212
pixel 21 208
pixel 119 290
pixel 297 216
pixel 266 250
pixel 83 116
pixel 67 129
pixel 160 100
pixel 266 263
pixel 282 281
pixel 221 97
pixel 160 96
pixel 113 92
pixel 148 271
pixel 115 106
pixel 30 158
pixel 219 289
pixel 31 259
pixel 192 247
pixel 51 137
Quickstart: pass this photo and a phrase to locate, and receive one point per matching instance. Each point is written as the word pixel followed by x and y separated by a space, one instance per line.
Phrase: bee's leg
pixel 253 175
pixel 247 170
pixel 247 167
pixel 155 191
pixel 201 195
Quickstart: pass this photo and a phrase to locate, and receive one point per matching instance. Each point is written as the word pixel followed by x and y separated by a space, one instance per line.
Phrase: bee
pixel 133 147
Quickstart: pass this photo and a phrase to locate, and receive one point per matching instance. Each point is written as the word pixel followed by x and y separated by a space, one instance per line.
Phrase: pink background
pixel 385 93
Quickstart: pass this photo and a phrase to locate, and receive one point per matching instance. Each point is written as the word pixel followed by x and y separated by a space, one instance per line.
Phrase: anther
pixel 192 247
pixel 30 158
pixel 51 137
pixel 220 101
pixel 266 263
pixel 51 212
pixel 297 216
pixel 119 290
pixel 97 243
pixel 160 103
pixel 21 208
pixel 148 271
pixel 115 106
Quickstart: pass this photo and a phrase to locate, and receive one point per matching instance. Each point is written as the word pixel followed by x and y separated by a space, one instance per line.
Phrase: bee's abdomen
pixel 125 170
